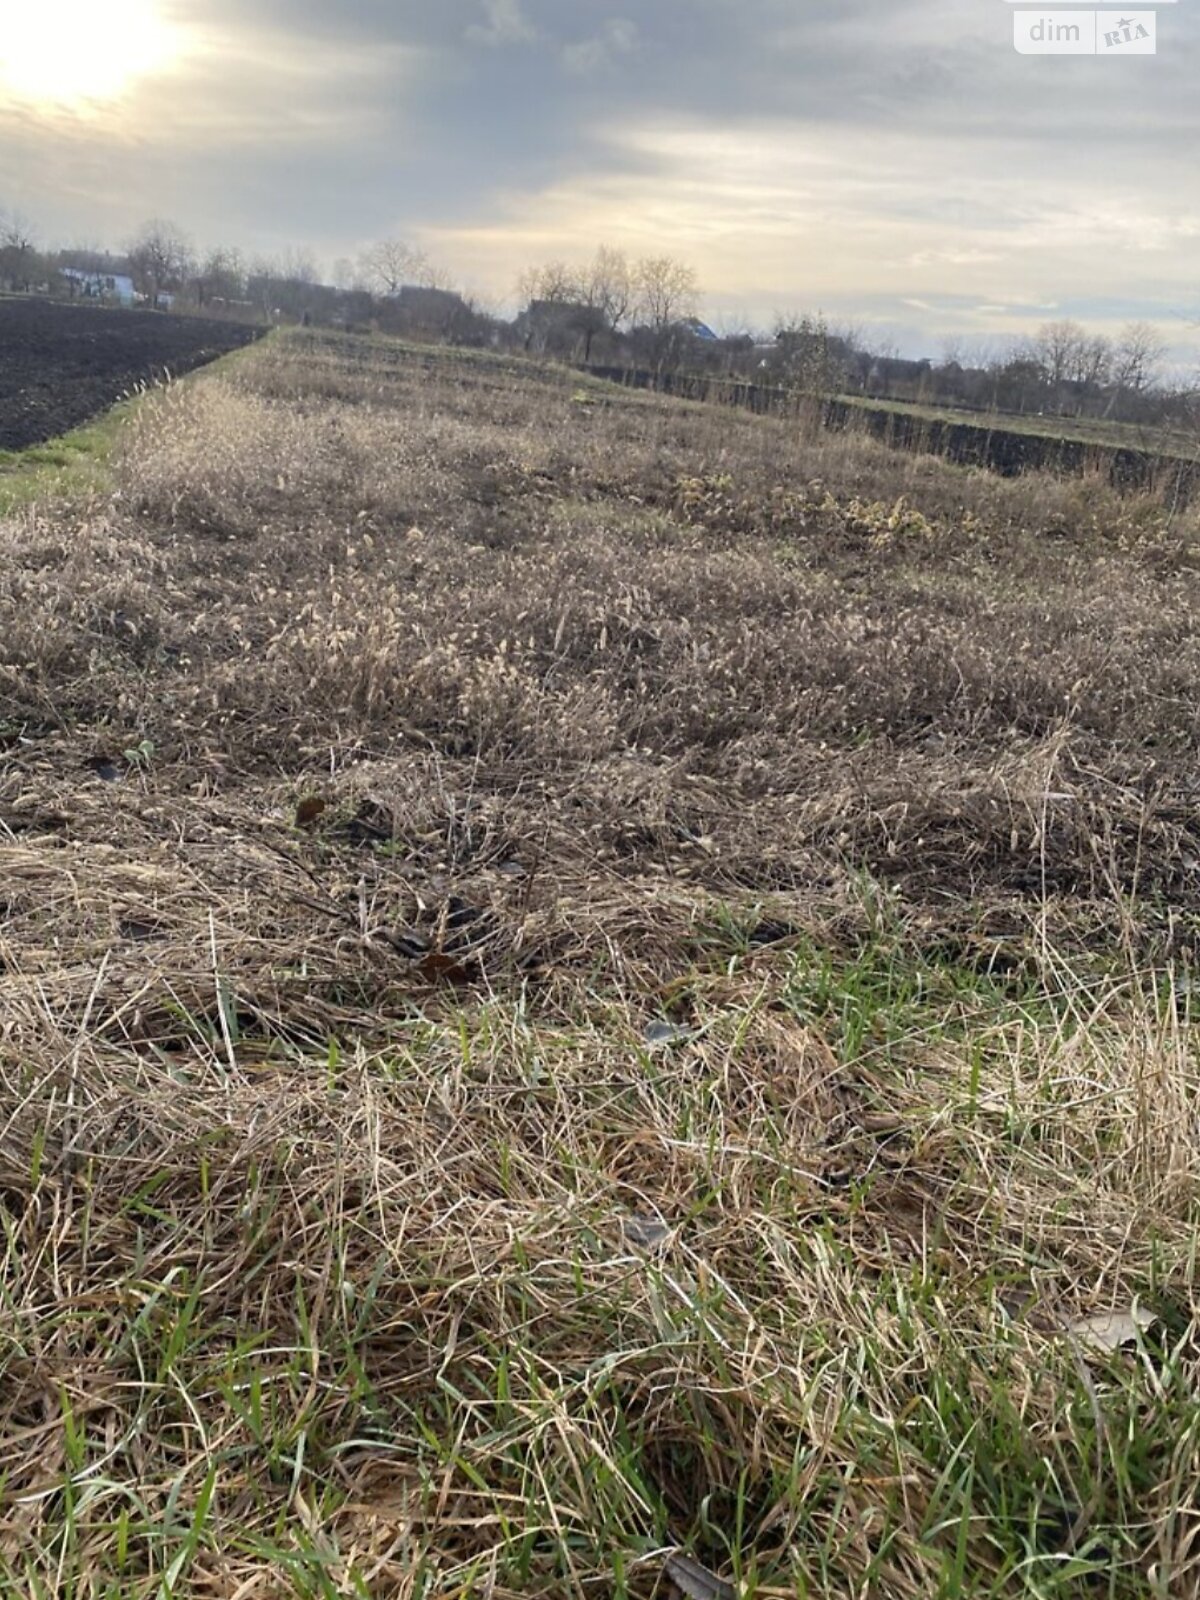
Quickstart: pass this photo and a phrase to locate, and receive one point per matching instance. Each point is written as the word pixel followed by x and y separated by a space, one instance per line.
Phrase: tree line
pixel 617 310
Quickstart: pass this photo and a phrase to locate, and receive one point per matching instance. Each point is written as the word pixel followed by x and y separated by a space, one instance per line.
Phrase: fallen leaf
pixel 309 810
pixel 1106 1331
pixel 697 1582
pixel 881 1123
pixel 437 966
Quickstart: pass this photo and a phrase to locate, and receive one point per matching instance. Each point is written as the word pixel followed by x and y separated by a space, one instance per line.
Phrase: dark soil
pixel 62 364
pixel 1009 451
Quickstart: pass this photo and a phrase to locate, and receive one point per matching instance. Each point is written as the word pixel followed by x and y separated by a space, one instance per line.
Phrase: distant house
pixel 699 330
pixel 115 286
pixel 427 313
pixel 548 312
pixel 417 300
pixel 560 327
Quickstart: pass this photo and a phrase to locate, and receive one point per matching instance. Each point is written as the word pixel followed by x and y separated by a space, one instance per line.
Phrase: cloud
pixel 952 257
pixel 883 151
pixel 247 140
pixel 506 24
pixel 618 37
pixel 1016 308
pixel 789 211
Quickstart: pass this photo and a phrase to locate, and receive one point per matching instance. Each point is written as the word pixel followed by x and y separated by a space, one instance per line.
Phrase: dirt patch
pixel 60 365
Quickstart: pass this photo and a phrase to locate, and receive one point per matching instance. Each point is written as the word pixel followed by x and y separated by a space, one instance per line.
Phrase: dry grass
pixel 581 976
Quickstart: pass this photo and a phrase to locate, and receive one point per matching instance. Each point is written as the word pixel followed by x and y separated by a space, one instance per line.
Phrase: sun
pixel 71 51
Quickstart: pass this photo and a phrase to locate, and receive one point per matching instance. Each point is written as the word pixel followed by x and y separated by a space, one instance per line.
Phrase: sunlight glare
pixel 73 51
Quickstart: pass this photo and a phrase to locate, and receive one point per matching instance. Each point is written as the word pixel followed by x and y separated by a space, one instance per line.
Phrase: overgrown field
pixel 596 999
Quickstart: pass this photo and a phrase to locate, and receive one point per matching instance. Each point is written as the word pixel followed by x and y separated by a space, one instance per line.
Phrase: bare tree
pixel 605 292
pixel 1074 364
pixel 389 264
pixel 568 306
pixel 1093 362
pixel 1137 358
pixel 608 286
pixel 297 264
pixel 666 291
pixel 19 258
pixel 600 296
pixel 553 281
pixel 1056 348
pixel 553 314
pixel 16 232
pixel 160 258
pixel 220 276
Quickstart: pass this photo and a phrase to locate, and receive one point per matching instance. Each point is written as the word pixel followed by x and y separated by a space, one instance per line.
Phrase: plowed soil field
pixel 61 364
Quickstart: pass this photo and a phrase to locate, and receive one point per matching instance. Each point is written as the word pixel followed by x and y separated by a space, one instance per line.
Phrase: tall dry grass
pixel 583 976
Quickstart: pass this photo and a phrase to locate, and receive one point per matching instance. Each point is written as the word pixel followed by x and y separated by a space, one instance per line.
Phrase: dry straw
pixel 592 998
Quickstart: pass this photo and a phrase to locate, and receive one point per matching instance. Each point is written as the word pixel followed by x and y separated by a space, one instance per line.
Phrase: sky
pixel 894 163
